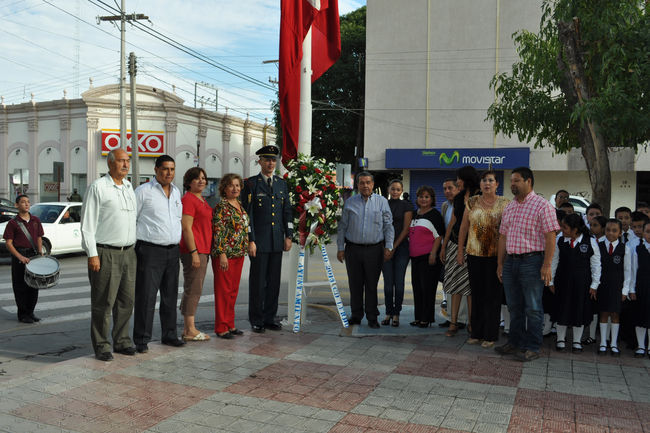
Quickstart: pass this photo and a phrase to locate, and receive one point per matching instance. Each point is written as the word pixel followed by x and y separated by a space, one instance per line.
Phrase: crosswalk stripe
pixel 62 281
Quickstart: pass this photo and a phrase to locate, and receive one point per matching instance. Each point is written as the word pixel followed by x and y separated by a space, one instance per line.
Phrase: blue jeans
pixel 394 271
pixel 523 287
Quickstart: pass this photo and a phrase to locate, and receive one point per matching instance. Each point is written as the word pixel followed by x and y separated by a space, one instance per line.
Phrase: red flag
pixel 296 18
pixel 325 38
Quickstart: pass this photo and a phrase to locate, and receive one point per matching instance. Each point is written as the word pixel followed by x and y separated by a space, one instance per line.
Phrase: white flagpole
pixel 304 146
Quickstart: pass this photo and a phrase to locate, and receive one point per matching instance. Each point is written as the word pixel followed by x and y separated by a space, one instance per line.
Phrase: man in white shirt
pixel 107 237
pixel 158 230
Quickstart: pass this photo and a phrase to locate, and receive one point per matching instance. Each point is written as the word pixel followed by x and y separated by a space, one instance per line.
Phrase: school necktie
pixel 571 243
pixel 611 249
pixel 268 181
pixel 624 238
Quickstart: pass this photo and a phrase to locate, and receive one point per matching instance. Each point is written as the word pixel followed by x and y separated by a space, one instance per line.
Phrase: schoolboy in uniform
pixel 640 291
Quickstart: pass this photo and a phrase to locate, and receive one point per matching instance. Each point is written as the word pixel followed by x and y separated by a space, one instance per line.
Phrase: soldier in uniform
pixel 266 200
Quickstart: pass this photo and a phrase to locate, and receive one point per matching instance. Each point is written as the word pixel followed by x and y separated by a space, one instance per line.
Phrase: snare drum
pixel 42 272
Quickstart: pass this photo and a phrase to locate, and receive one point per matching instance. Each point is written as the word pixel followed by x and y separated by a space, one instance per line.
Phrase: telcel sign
pixel 497 159
pixel 150 143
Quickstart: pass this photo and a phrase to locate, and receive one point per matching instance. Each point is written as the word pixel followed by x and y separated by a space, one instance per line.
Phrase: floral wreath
pixel 314 198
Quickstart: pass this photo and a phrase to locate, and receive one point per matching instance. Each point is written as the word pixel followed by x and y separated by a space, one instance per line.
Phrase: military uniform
pixel 270 215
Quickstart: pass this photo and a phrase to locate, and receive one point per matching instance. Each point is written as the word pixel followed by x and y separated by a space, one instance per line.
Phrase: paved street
pixel 324 378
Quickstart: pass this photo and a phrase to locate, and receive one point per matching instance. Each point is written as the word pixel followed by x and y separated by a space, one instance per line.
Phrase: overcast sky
pixel 41 39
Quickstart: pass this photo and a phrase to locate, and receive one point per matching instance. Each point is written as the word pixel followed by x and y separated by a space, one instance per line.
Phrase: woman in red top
pixel 196 241
pixel 230 246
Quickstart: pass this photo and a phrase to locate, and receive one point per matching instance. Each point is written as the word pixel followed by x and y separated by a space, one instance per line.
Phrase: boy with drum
pixel 24 236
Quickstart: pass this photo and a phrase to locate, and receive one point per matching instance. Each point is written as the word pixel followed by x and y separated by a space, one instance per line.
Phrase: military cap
pixel 269 151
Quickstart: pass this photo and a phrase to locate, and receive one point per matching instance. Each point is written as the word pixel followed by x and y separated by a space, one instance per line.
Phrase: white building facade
pixel 428 71
pixel 79 133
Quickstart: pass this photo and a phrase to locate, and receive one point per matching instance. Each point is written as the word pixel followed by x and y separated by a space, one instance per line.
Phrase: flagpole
pixel 304 146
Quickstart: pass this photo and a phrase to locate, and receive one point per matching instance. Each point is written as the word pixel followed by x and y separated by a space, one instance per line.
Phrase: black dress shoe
pixel 353 321
pixel 226 336
pixel 129 351
pixel 235 331
pixel 26 319
pixel 176 342
pixel 142 348
pixel 258 329
pixel 373 324
pixel 35 318
pixel 104 356
pixel 444 324
pixel 273 326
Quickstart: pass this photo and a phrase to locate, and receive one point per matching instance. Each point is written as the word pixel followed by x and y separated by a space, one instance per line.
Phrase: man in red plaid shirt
pixel 526 247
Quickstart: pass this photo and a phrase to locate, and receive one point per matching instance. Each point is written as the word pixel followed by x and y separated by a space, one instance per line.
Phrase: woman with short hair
pixel 196 241
pixel 229 247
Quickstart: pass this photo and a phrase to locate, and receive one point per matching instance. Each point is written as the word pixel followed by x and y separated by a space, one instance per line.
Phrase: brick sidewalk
pixel 317 381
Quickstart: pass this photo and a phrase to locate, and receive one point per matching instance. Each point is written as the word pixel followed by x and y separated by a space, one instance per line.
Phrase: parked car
pixel 61 226
pixel 579 203
pixel 7 210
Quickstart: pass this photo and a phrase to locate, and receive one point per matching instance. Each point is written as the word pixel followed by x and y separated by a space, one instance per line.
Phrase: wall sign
pixel 150 143
pixel 452 158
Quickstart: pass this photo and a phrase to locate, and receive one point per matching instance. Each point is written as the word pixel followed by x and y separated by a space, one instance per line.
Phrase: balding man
pixel 108 225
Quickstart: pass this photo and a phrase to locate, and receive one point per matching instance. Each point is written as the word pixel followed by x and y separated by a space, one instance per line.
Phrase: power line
pixel 199 56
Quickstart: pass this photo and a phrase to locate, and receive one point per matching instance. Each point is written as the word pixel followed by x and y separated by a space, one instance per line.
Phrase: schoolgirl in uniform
pixel 616 266
pixel 640 291
pixel 597 229
pixel 576 276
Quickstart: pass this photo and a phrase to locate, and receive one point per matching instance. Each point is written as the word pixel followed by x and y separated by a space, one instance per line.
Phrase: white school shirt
pixel 594 261
pixel 630 235
pixel 627 264
pixel 108 215
pixel 159 217
pixel 635 266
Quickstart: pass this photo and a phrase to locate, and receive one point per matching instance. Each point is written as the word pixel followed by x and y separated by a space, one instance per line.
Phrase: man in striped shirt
pixel 526 247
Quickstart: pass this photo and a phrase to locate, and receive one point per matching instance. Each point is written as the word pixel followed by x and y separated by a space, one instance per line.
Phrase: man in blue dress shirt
pixel 365 240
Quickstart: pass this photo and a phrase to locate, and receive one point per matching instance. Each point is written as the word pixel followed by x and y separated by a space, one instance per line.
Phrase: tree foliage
pixel 338 97
pixel 549 100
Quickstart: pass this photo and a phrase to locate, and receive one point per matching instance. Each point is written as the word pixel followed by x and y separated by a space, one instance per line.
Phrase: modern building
pixel 80 132
pixel 428 70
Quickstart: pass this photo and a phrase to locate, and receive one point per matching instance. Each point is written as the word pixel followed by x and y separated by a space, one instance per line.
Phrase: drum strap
pixel 27 235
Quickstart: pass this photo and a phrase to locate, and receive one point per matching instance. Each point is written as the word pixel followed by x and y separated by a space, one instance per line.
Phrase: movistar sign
pixel 498 159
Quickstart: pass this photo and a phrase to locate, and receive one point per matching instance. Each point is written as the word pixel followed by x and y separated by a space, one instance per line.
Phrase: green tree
pixel 338 97
pixel 582 81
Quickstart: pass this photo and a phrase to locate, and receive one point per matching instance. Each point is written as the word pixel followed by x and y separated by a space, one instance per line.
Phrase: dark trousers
pixel 264 288
pixel 364 264
pixel 424 278
pixel 394 271
pixel 25 296
pixel 157 270
pixel 487 293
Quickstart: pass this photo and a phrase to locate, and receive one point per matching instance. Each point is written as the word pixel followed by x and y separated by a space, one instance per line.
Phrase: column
pixel 34 175
pixel 247 146
pixel 4 158
pixel 64 147
pixel 93 148
pixel 226 133
pixel 171 126
pixel 202 133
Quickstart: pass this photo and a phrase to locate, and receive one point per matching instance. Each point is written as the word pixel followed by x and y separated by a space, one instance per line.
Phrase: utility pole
pixel 135 151
pixel 123 18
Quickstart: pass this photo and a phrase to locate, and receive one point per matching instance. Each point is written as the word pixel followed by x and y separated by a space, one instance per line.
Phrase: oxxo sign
pixel 150 143
pixel 497 158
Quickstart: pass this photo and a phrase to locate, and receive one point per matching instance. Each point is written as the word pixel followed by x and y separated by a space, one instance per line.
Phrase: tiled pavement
pixel 400 380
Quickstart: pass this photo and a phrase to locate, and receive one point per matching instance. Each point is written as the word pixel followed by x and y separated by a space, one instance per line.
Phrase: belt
pixel 364 245
pixel 113 247
pixel 531 254
pixel 150 244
